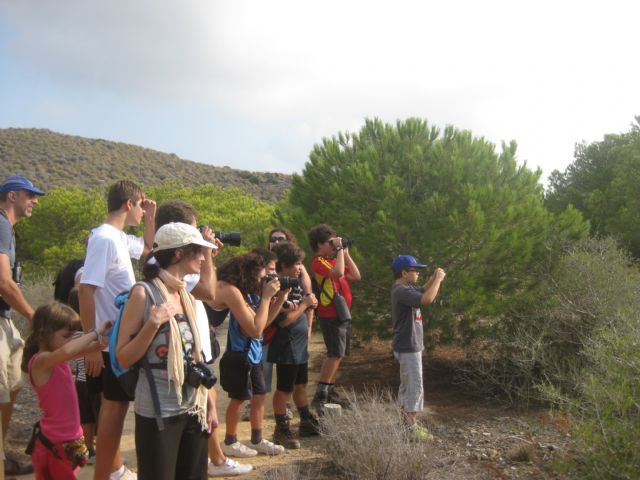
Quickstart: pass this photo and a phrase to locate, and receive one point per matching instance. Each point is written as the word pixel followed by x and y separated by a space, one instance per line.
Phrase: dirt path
pixel 475 440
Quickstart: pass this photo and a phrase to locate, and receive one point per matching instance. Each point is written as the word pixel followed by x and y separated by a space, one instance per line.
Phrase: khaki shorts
pixel 11 346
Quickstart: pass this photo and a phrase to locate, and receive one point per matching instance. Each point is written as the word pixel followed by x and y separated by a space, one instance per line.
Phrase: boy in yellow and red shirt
pixel 332 268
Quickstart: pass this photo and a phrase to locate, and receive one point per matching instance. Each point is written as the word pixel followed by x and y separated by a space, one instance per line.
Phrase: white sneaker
pixel 230 468
pixel 268 448
pixel 239 450
pixel 125 475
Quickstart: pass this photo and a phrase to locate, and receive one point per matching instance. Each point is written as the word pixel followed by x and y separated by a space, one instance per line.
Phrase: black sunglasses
pixel 277 239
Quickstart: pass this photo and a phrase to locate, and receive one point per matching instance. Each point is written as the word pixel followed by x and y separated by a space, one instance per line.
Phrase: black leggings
pixel 179 452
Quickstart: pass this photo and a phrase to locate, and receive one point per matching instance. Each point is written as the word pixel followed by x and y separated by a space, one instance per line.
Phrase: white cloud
pixel 545 73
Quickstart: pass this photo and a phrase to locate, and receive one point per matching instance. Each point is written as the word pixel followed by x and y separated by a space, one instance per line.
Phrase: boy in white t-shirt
pixel 107 272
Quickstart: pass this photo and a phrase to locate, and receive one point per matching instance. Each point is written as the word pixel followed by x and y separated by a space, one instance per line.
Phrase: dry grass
pixel 369 442
pixel 38 291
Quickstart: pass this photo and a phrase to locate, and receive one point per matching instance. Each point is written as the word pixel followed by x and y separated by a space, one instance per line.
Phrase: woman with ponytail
pixel 163 330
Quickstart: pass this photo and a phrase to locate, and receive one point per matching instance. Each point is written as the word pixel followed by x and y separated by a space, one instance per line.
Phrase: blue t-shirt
pixel 239 342
pixel 7 247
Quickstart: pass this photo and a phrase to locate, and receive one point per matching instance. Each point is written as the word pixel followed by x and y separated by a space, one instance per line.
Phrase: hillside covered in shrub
pixel 52 159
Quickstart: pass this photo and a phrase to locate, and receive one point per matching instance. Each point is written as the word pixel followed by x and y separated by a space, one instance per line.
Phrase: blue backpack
pixel 128 377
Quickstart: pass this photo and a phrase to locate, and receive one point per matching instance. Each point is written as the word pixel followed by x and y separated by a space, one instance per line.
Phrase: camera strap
pixel 324 292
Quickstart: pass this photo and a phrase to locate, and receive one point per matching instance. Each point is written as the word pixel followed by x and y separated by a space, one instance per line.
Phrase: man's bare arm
pixel 10 291
pixel 93 361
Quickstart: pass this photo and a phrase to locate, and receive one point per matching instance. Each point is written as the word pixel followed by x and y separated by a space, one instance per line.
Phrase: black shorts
pixel 108 383
pixel 291 375
pixel 337 336
pixel 88 402
pixel 255 385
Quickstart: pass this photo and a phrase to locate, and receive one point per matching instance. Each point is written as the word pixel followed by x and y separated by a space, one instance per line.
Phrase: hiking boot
pixel 288 412
pixel 334 397
pixel 319 399
pixel 285 437
pixel 416 433
pixel 14 467
pixel 309 427
pixel 267 448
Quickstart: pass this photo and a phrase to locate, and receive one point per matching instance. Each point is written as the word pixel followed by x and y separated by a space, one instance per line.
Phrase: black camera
pixel 16 274
pixel 289 282
pixel 228 238
pixel 295 297
pixel 198 374
pixel 347 242
pixel 285 282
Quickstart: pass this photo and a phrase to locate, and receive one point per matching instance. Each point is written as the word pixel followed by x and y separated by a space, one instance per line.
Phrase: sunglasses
pixel 277 239
pixel 413 270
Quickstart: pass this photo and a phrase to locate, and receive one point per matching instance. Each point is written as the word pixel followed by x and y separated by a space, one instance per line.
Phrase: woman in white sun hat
pixel 158 327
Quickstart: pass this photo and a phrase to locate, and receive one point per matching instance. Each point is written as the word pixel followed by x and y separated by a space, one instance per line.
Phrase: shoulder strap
pixel 156 299
pixel 326 293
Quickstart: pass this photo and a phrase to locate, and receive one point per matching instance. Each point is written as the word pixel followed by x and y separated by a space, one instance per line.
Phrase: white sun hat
pixel 174 235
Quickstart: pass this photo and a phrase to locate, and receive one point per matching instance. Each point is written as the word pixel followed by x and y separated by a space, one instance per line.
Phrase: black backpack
pixel 65 280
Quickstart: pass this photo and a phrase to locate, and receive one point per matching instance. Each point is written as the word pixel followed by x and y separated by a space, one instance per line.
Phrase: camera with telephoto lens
pixel 198 374
pixel 228 238
pixel 285 282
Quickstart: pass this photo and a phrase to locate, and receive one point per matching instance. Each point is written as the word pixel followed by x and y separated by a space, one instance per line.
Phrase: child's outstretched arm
pixel 93 341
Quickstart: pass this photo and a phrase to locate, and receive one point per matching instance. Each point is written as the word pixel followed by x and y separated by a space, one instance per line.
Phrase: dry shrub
pixel 291 471
pixel 369 442
pixel 525 452
pixel 38 290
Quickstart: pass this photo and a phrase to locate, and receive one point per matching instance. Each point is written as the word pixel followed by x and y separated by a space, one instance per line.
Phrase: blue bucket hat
pixel 402 262
pixel 18 182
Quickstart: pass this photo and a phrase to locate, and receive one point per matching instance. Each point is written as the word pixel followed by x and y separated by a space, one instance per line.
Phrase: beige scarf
pixel 175 360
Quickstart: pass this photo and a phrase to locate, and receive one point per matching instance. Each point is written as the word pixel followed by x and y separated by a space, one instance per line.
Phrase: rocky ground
pixel 473 439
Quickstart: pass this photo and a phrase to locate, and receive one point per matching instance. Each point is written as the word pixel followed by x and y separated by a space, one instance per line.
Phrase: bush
pixel 370 441
pixel 592 288
pixel 607 411
pixel 578 346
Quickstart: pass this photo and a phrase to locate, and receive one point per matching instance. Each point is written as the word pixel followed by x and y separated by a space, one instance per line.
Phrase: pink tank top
pixel 58 399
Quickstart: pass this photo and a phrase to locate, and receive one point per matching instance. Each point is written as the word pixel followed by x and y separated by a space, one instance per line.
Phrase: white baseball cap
pixel 174 235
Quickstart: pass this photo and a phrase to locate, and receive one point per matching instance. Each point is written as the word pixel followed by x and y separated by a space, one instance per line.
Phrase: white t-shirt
pixel 108 267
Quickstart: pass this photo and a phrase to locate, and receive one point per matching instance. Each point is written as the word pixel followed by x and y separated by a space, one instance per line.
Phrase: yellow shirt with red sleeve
pixel 321 268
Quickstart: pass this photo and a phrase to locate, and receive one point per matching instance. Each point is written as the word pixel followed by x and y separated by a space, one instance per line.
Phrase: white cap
pixel 174 235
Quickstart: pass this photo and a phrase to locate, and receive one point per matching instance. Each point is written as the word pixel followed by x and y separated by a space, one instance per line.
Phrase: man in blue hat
pixel 18 196
pixel 408 341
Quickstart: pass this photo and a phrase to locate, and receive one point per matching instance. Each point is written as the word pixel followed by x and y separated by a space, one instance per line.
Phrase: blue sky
pixel 254 85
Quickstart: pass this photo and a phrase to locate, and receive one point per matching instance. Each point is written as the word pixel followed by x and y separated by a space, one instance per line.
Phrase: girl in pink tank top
pixel 57 446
